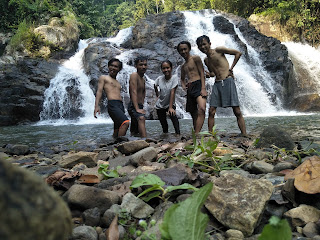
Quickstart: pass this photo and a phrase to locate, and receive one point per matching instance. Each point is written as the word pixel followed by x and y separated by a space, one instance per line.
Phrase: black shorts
pixel 193 92
pixel 132 111
pixel 116 112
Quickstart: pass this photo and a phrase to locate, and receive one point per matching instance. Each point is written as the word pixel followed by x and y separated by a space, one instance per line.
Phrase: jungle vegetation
pixel 105 17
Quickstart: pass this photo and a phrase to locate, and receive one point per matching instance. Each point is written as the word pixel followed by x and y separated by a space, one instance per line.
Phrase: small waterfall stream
pixel 70 100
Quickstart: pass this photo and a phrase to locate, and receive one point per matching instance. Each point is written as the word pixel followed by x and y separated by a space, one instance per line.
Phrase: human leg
pixel 123 129
pixel 201 113
pixel 240 120
pixel 212 113
pixel 142 126
pixel 163 119
pixel 175 123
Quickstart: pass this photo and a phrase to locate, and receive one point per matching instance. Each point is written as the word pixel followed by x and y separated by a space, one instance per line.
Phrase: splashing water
pixel 253 98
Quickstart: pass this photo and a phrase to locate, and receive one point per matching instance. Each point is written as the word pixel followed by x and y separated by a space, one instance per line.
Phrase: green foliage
pixel 202 154
pixel 156 188
pixel 276 230
pixel 185 220
pixel 107 173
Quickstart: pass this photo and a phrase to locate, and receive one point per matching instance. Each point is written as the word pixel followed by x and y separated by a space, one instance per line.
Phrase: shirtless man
pixel 224 92
pixel 196 87
pixel 137 90
pixel 115 106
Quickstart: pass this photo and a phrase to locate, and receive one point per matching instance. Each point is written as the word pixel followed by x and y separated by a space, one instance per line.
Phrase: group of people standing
pixel 224 92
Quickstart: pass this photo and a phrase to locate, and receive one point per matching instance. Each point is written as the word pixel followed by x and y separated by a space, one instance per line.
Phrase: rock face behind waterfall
pixel 22 90
pixel 157 36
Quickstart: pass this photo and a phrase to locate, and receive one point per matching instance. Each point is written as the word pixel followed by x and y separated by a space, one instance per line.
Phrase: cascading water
pixel 70 99
pixel 306 61
pixel 252 95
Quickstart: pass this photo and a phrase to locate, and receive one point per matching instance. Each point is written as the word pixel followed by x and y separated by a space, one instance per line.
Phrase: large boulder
pixel 30 209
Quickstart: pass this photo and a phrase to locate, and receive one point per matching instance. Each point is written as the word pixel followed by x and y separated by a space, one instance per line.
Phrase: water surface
pixel 39 135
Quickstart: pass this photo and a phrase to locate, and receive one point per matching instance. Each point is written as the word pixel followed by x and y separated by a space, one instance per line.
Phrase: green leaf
pixel 164 227
pixel 187 221
pixel 183 186
pixel 153 188
pixel 276 230
pixel 151 195
pixel 146 179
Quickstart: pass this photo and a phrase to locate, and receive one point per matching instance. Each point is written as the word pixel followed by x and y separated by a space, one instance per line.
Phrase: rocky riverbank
pixel 252 181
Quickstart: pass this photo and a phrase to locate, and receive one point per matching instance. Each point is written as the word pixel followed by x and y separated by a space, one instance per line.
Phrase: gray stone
pixel 109 215
pixel 137 207
pixel 104 155
pixel 258 154
pixel 84 233
pixel 241 172
pixel 30 209
pixel 173 176
pixel 261 167
pixel 238 202
pixel 132 146
pixel 85 197
pixel 119 161
pixel 18 149
pixel 148 154
pixel 72 159
pixel 274 135
pixel 302 215
pixel 282 166
pixel 310 230
pixel 91 217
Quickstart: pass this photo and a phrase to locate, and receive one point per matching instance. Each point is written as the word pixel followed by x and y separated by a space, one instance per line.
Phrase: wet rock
pixel 132 146
pixel 28 204
pixel 18 149
pixel 91 217
pixel 119 161
pixel 274 135
pixel 137 207
pixel 104 155
pixel 109 215
pixel 261 167
pixel 302 215
pixel 84 232
pixel 238 202
pixel 85 197
pixel 71 159
pixel 173 176
pixel 282 166
pixel 311 229
pixel 148 154
pixel 233 234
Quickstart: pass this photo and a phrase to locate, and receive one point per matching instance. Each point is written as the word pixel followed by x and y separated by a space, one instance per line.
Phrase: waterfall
pixel 70 99
pixel 306 61
pixel 253 97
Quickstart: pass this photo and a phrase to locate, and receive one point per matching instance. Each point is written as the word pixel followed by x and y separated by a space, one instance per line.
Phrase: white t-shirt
pixel 165 87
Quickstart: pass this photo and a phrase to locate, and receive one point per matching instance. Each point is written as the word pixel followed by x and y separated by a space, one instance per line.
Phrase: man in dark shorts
pixel 137 90
pixel 196 86
pixel 112 89
pixel 224 92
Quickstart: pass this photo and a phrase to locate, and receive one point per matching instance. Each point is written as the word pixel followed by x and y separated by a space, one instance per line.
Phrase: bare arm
pixel 234 52
pixel 98 96
pixel 183 78
pixel 133 90
pixel 199 65
pixel 172 97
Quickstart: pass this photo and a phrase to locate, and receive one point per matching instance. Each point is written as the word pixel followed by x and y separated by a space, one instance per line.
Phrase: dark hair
pixel 139 59
pixel 166 61
pixel 115 60
pixel 201 38
pixel 184 42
